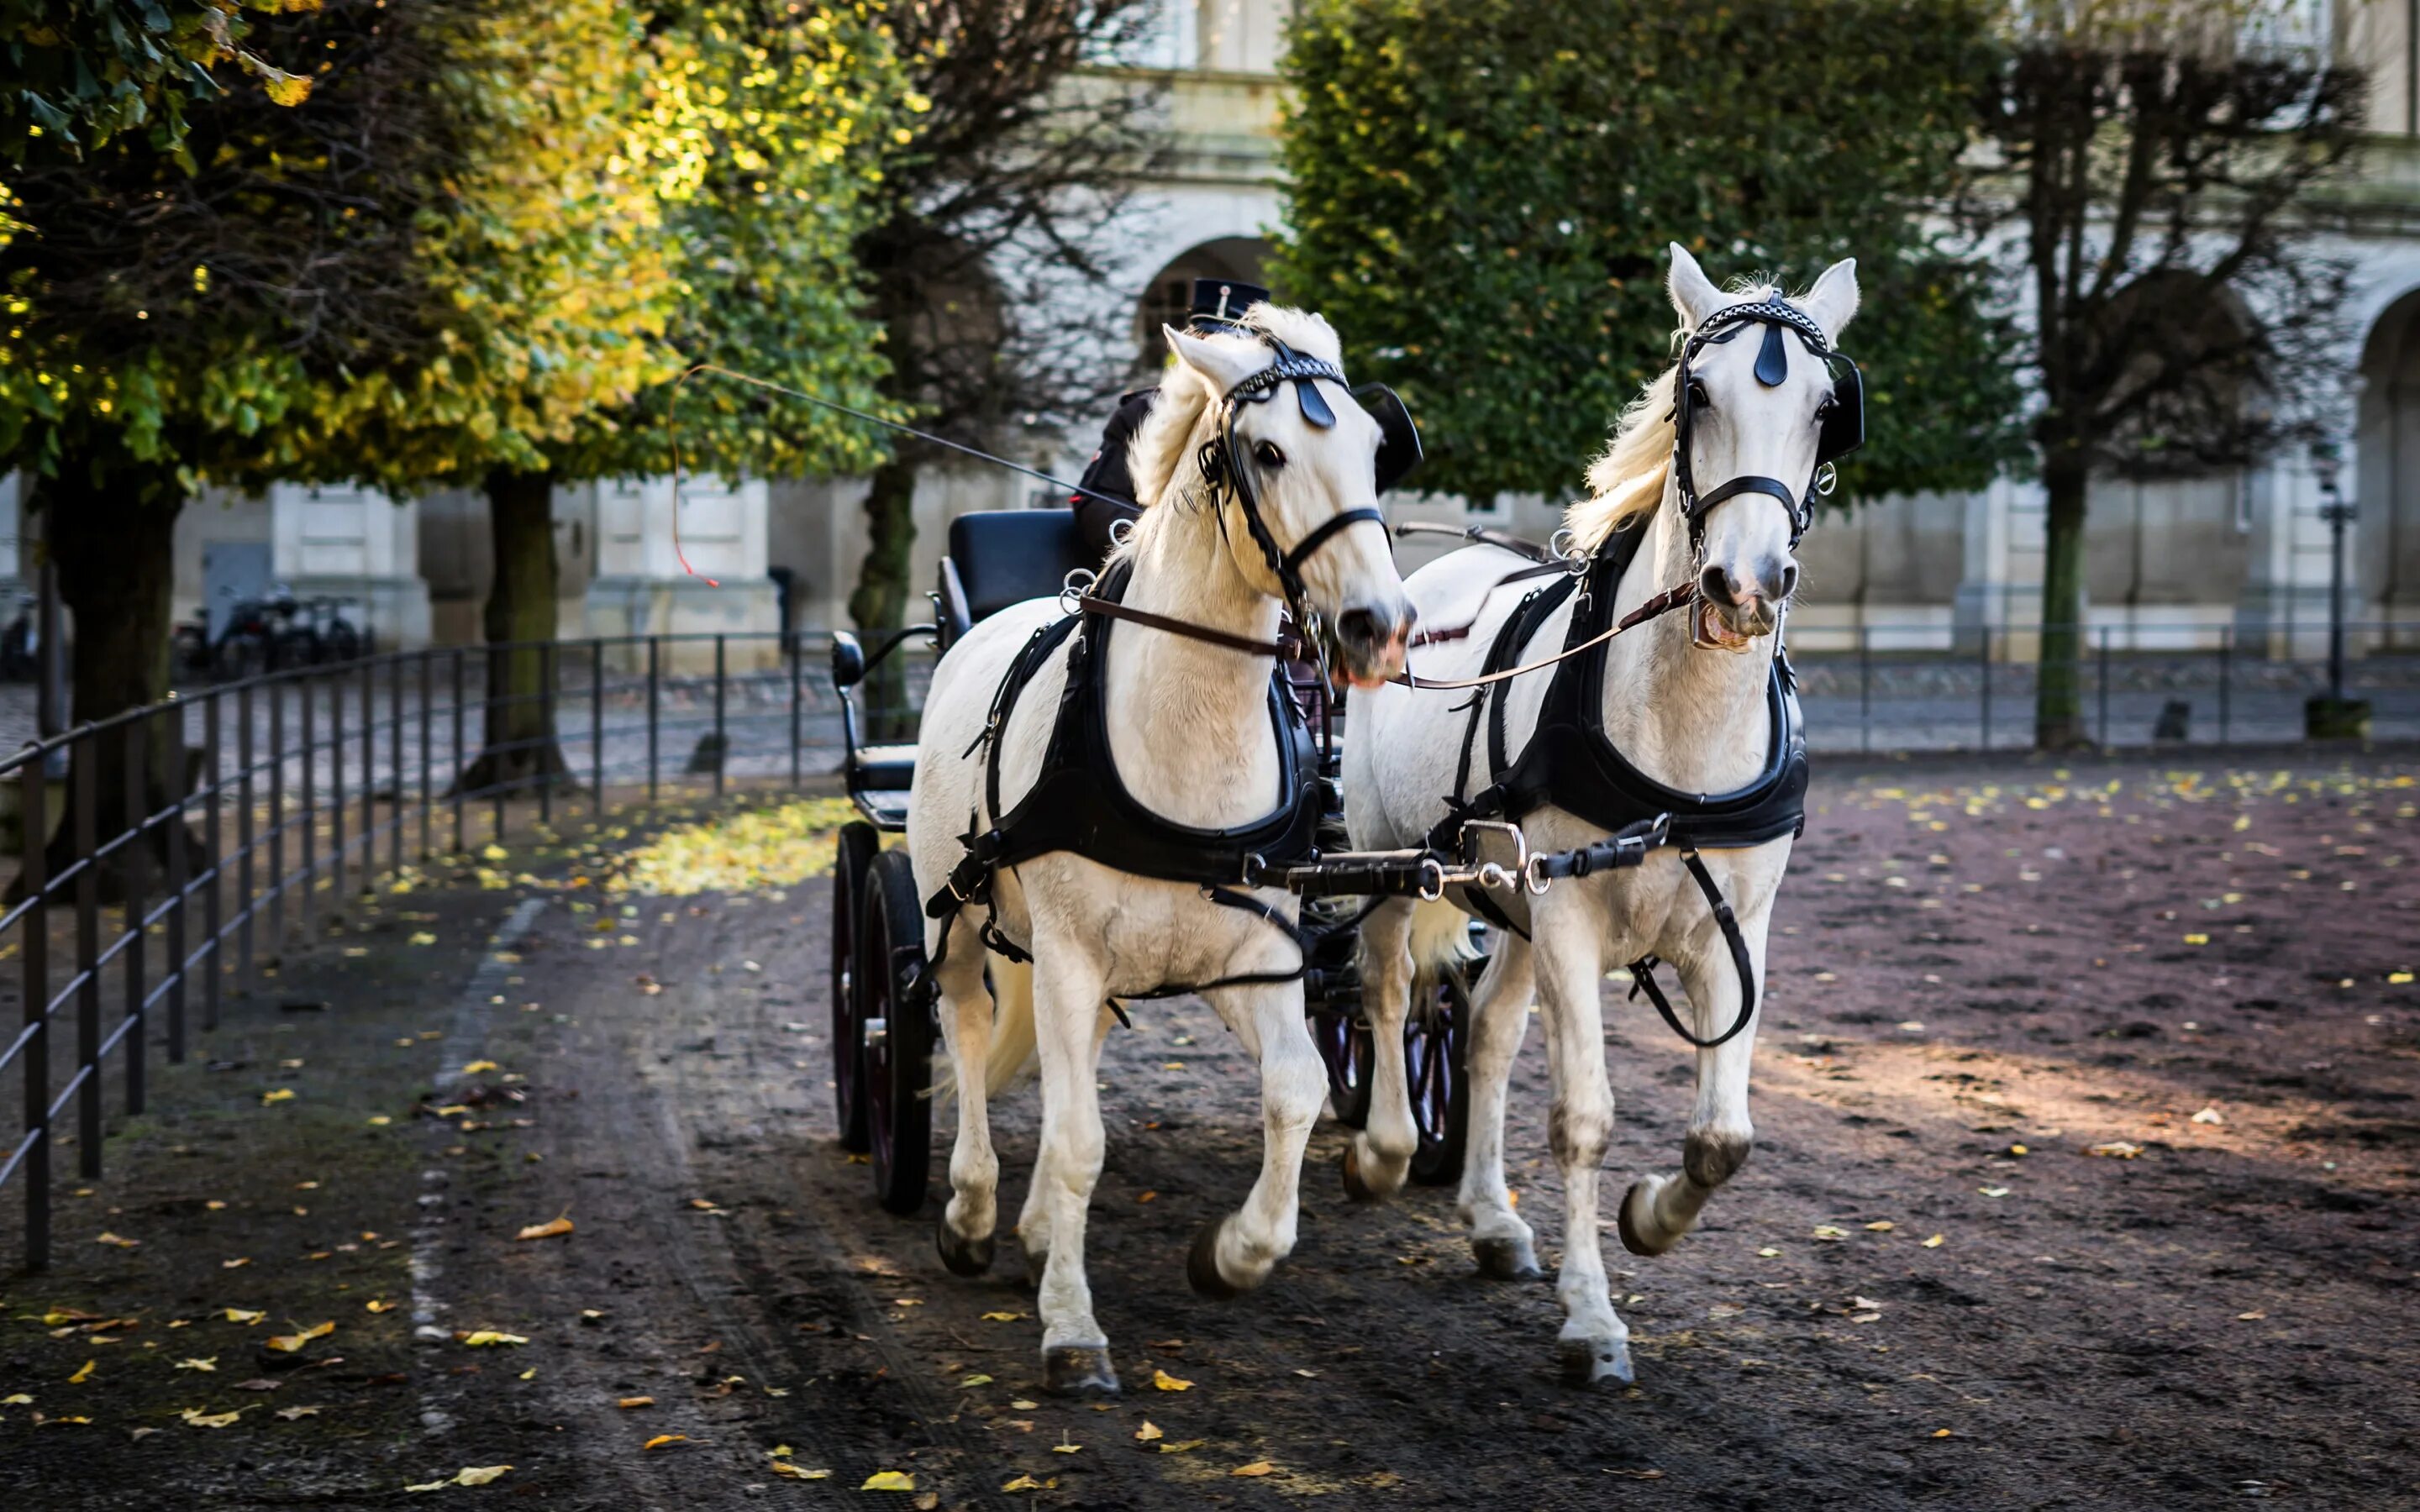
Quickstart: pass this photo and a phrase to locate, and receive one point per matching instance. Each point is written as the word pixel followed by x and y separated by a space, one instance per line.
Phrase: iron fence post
pixel 216 856
pixel 2226 658
pixel 369 775
pixel 33 867
pixel 427 801
pixel 597 733
pixel 130 851
pixel 243 824
pixel 307 808
pixel 461 832
pixel 790 646
pixel 336 838
pixel 721 744
pixel 654 680
pixel 1864 686
pixel 1986 662
pixel 180 889
pixel 2105 687
pixel 549 749
pixel 394 762
pixel 83 779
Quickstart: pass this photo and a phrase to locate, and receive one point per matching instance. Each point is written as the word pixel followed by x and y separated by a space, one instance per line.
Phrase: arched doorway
pixel 2384 557
pixel 1166 298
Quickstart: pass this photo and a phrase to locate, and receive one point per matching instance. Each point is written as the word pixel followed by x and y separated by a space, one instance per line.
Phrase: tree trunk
pixel 112 544
pixel 2058 705
pixel 880 600
pixel 518 748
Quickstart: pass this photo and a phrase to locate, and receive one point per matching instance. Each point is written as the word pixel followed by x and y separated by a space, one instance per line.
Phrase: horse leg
pixel 1380 1155
pixel 1066 1008
pixel 1658 1209
pixel 1034 1219
pixel 1596 1343
pixel 1499 1241
pixel 964 1234
pixel 1236 1252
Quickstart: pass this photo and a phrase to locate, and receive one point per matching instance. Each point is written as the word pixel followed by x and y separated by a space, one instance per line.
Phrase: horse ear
pixel 1222 363
pixel 1694 294
pixel 1833 300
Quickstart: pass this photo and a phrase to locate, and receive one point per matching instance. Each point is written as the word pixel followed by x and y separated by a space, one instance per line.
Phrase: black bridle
pixel 1844 428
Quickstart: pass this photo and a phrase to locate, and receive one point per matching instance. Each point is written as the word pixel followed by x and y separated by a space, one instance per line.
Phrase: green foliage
pixel 1481 192
pixel 81 71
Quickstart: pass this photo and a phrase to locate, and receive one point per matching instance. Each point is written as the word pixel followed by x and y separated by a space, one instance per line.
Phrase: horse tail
pixel 1012 1024
pixel 1440 943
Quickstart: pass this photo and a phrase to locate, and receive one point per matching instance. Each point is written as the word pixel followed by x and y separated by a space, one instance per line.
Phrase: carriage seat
pixel 1002 557
pixel 884 768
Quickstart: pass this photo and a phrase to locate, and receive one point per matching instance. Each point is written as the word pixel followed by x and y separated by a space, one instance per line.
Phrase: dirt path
pixel 1967 963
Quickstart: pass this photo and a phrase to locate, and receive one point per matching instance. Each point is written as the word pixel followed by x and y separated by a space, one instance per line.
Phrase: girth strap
pixel 1642 971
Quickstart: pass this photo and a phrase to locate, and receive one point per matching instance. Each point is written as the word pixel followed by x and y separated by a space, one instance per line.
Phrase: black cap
pixel 1222 300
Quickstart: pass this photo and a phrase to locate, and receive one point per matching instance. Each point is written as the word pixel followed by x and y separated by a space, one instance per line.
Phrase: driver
pixel 1219 304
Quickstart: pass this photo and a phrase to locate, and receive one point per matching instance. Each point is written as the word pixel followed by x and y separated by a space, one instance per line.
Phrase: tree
pixel 440 250
pixel 993 211
pixel 1480 192
pixel 83 70
pixel 2153 180
pixel 767 129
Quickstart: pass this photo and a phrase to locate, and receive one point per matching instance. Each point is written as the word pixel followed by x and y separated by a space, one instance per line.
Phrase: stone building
pixel 2173 563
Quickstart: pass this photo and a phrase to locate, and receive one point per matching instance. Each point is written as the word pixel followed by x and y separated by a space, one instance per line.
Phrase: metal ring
pixel 1431 883
pixel 1121 532
pixel 1561 545
pixel 1533 876
pixel 1828 478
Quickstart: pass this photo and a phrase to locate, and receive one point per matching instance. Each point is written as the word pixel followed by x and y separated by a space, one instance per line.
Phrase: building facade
pixel 2177 562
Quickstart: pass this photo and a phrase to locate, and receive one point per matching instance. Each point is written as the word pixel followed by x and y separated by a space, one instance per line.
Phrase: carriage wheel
pixel 894 1032
pixel 1436 1047
pixel 1343 1042
pixel 859 843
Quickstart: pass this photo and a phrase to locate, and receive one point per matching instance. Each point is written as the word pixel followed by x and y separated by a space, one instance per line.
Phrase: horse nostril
pixel 1715 584
pixel 1789 581
pixel 1358 628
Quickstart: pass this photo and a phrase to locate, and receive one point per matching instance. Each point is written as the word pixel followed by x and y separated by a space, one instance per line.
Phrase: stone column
pixel 641 588
pixel 357 544
pixel 2283 610
pixel 2004 540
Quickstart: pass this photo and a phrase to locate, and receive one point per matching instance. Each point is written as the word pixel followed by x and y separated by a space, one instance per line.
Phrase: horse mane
pixel 1163 441
pixel 1628 480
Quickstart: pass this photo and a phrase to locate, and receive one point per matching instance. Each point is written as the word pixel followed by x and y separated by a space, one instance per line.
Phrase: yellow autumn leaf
pixel 290 1343
pixel 282 1094
pixel 888 1480
pixel 1023 1483
pixel 84 1375
pixel 629 1402
pixel 16 1400
pixel 379 1304
pixel 1168 1382
pixel 243 1315
pixel 473 1068
pixel 1149 1431
pixel 551 1228
pixel 1002 1318
pixel 790 1471
pixel 117 1242
pixel 1257 1467
pixel 1934 1242
pixel 202 1419
pixel 479 1474
pixel 664 1441
pixel 480 1338
pixel 210 1364
pixel 1182 1446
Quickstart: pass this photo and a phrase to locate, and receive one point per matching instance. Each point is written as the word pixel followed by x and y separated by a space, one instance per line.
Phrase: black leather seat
pixel 1003 557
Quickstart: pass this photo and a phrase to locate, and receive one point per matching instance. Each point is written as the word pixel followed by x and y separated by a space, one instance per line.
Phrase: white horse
pixel 1190 737
pixel 1683 709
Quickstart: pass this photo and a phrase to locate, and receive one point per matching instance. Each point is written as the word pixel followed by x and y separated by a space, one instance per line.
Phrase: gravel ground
pixel 2207 979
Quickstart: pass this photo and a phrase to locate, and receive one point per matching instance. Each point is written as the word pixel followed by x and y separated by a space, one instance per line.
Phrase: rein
pixel 1285 647
pixel 1662 604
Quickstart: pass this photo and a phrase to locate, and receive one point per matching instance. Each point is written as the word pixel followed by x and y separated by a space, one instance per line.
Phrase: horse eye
pixel 1698 397
pixel 1267 455
pixel 1823 411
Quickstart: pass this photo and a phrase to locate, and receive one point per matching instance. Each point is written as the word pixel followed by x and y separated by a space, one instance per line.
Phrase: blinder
pixel 1399 439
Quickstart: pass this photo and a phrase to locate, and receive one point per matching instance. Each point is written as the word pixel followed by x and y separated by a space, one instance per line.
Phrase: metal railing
pixel 243 802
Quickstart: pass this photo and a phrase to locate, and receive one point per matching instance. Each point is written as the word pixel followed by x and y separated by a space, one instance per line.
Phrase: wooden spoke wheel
pixel 894 1030
pixel 1436 1047
pixel 859 843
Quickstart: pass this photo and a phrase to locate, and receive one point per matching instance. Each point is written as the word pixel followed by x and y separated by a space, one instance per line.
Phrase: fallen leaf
pixel 1934 1242
pixel 1168 1382
pixel 790 1471
pixel 976 1381
pixel 1149 1431
pixel 293 1414
pixel 2209 1116
pixel 84 1375
pixel 379 1304
pixel 16 1400
pixel 628 1402
pixel 888 1480
pixel 1023 1483
pixel 665 1439
pixel 1941 1433
pixel 1882 1227
pixel 2116 1150
pixel 473 1068
pixel 236 1264
pixel 1257 1467
pixel 480 1338
pixel 1992 1191
pixel 2250 1316
pixel 1183 1446
pixel 1024 1406
pixel 282 1094
pixel 1002 1318
pixel 257 1383
pixel 210 1364
pixel 480 1474
pixel 1830 1233
pixel 115 1242
pixel 551 1228
pixel 290 1343
pixel 201 1419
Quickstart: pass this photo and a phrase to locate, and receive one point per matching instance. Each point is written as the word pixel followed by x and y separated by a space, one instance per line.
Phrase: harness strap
pixel 1642 971
pixel 1292 562
pixel 1285 648
pixel 1676 597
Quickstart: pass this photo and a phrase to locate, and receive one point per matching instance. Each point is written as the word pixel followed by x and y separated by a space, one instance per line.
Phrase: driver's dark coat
pixel 1107 474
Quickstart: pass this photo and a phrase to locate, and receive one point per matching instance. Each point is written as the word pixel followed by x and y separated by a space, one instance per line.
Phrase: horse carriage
pixel 885 1033
pixel 1155 831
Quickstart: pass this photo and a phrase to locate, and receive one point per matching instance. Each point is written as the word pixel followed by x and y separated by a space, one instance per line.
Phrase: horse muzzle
pixel 1375 640
pixel 1734 627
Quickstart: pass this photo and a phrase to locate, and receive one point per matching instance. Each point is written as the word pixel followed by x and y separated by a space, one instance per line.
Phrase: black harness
pixel 1569 763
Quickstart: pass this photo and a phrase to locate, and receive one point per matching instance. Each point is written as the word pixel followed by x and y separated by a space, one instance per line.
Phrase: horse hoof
pixel 1587 1362
pixel 1201 1267
pixel 964 1256
pixel 1355 1188
pixel 1640 1198
pixel 1505 1259
pixel 1078 1369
